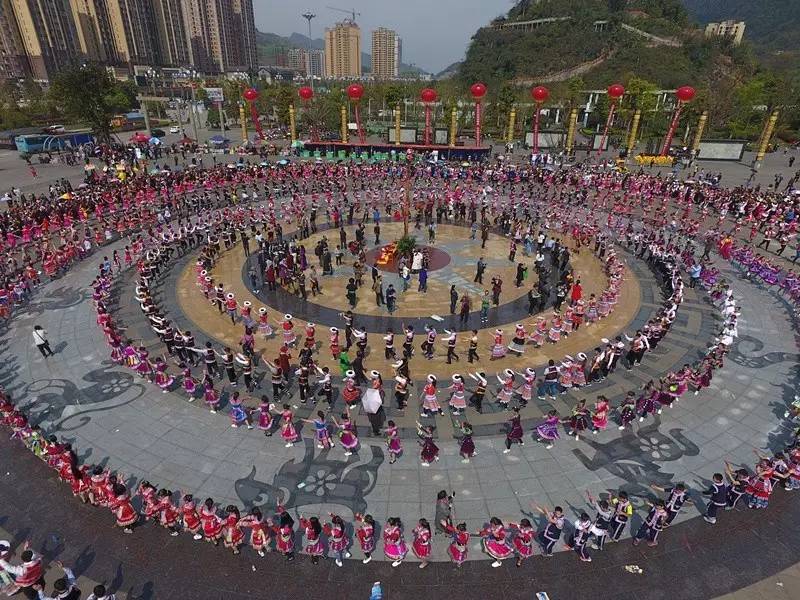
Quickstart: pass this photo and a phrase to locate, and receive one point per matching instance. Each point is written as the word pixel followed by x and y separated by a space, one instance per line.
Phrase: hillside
pixel 601 40
pixel 771 24
pixel 269 43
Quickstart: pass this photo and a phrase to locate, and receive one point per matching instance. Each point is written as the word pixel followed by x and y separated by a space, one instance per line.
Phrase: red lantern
pixel 355 91
pixel 685 93
pixel 616 91
pixel 250 94
pixel 540 93
pixel 428 95
pixel 306 93
pixel 478 90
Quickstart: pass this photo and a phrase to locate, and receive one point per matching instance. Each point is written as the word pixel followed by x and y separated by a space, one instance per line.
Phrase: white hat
pixel 350 374
pixel 334 330
pixel 287 317
pixel 520 326
pixel 569 358
pixel 581 356
pixel 498 331
pixel 605 340
pixel 374 374
pixel 531 372
pixel 208 279
pixel 457 377
pixel 310 324
pixel 262 310
pixel 229 296
pixel 203 272
pixel 508 373
pixel 247 303
pixel 431 378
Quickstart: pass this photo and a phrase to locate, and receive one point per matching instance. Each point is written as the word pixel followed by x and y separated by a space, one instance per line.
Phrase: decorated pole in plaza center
pixel 512 117
pixel 306 94
pixel 637 116
pixel 573 123
pixel 397 125
pixel 343 125
pixel 698 135
pixel 766 136
pixel 355 92
pixel 684 95
pixel 478 91
pixel 539 95
pixel 251 95
pixel 453 127
pixel 615 92
pixel 292 124
pixel 428 96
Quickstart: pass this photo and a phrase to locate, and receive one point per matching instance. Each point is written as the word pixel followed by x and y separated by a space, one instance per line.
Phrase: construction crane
pixel 352 12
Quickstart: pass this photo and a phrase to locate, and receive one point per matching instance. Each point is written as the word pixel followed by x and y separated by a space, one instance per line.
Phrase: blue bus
pixel 34 143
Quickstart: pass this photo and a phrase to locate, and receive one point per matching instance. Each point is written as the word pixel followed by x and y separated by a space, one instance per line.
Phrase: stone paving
pixel 116 419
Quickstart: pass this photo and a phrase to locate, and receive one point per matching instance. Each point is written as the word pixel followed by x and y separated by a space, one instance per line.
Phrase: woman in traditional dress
pixel 523 540
pixel 312 529
pixel 580 420
pixel 422 542
pixel 393 443
pixel 547 431
pixel 457 401
pixel 600 414
pixel 347 432
pixel 429 450
pixel 394 546
pixel 467 447
pixel 506 390
pixel 337 538
pixel 498 348
pixel 366 535
pixel 495 542
pixel 515 432
pixel 430 403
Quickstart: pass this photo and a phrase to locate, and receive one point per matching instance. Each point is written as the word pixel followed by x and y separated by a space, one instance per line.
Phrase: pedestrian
pixel 453 299
pixel 41 341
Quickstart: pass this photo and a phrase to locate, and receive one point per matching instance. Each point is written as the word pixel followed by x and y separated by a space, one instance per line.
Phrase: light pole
pixel 310 71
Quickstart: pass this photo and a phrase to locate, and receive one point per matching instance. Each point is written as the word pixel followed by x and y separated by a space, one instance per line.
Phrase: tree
pixel 89 94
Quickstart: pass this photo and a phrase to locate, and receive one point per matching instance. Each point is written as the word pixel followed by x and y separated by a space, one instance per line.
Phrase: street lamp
pixel 308 15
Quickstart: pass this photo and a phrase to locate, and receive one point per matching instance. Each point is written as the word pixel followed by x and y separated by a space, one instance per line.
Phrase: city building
pixel 13 60
pixel 343 50
pixel 296 58
pixel 171 29
pixel 47 35
pixel 315 64
pixel 221 35
pixel 387 50
pixel 727 29
pixel 133 30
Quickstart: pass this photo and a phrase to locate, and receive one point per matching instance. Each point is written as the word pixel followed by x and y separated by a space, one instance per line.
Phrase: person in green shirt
pixel 344 363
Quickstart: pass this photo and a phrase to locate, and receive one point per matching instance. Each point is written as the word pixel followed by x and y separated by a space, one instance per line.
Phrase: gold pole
pixel 397 125
pixel 698 135
pixel 453 127
pixel 292 124
pixel 512 117
pixel 769 129
pixel 243 121
pixel 344 123
pixel 634 131
pixel 573 120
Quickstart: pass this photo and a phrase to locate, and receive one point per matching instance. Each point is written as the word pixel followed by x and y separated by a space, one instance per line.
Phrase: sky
pixel 435 33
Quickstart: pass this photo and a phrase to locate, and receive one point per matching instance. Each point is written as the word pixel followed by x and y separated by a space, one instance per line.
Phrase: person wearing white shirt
pixel 100 593
pixel 41 341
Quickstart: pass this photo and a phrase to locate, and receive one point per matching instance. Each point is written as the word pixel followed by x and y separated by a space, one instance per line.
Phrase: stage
pixel 334 150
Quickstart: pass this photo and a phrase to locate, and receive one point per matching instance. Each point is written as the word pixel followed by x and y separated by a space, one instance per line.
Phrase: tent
pixel 140 138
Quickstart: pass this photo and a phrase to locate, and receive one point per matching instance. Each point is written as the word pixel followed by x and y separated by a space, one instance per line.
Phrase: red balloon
pixel 540 93
pixel 355 91
pixel 616 91
pixel 478 90
pixel 250 94
pixel 428 95
pixel 306 93
pixel 685 93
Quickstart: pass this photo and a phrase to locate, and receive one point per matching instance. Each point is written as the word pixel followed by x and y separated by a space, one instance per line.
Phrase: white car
pixel 174 129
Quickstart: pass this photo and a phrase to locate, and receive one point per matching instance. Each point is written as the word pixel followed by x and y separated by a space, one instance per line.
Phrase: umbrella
pixel 187 140
pixel 218 139
pixel 283 162
pixel 154 140
pixel 139 138
pixel 297 144
pixel 66 196
pixel 465 164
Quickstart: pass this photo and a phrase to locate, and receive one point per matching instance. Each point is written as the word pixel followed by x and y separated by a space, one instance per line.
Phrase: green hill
pixel 600 40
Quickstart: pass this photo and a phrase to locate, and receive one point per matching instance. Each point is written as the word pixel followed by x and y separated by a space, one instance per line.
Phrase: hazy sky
pixel 435 33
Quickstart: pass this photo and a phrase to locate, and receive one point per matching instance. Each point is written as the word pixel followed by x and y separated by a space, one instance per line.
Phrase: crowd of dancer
pixel 170 214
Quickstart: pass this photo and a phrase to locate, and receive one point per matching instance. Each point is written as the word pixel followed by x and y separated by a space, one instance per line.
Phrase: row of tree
pixel 89 95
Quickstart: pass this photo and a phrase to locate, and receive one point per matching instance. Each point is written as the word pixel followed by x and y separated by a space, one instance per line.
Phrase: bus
pixel 34 143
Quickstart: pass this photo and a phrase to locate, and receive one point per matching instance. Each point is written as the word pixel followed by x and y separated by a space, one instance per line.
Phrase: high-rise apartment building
pixel 309 63
pixel 387 50
pixel 171 30
pixel 297 59
pixel 39 37
pixel 13 60
pixel 47 34
pixel 343 50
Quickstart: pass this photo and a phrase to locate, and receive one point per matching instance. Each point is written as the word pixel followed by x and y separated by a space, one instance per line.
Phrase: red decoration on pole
pixel 251 95
pixel 428 96
pixel 684 95
pixel 615 92
pixel 539 94
pixel 305 93
pixel 355 92
pixel 478 91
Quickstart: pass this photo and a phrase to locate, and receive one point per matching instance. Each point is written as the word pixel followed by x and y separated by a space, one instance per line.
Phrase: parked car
pixel 174 129
pixel 159 133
